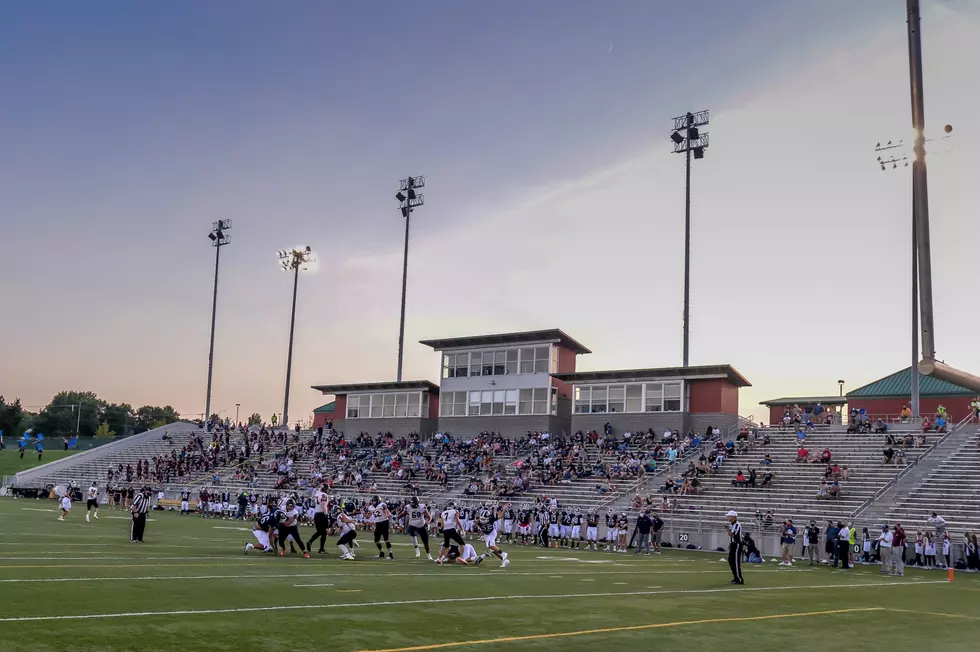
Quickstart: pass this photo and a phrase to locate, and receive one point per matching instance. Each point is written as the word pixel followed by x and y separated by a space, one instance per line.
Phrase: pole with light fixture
pixel 293 260
pixel 840 383
pixel 219 238
pixel 693 141
pixel 408 201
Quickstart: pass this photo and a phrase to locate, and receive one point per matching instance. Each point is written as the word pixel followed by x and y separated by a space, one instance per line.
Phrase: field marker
pixel 348 590
pixel 35 509
pixel 936 613
pixel 310 585
pixel 389 603
pixel 626 628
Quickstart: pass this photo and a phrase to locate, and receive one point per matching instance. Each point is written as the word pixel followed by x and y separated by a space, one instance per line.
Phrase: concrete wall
pixel 659 421
pixel 509 426
pixel 398 427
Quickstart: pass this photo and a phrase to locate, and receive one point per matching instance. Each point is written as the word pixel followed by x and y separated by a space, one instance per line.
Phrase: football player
pixel 289 530
pixel 92 502
pixel 348 530
pixel 185 497
pixel 452 527
pixel 418 526
pixel 489 524
pixel 266 531
pixel 577 519
pixel 509 522
pixel 592 531
pixel 65 505
pixel 622 529
pixel 566 528
pixel 321 520
pixel 554 529
pixel 381 517
pixel 524 524
pixel 612 535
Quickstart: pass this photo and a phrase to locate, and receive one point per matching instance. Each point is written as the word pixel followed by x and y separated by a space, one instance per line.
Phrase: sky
pixel 552 197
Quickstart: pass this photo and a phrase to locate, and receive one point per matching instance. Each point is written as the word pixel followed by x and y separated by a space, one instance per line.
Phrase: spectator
pixel 830 540
pixel 811 541
pixel 787 540
pixel 739 480
pixel 767 477
pixel 906 414
pixel 644 524
pixel 885 540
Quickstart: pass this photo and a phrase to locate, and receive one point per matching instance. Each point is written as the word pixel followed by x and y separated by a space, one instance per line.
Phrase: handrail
pixel 908 467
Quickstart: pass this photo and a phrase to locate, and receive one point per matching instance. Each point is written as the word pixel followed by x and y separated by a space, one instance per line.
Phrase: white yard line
pixel 389 603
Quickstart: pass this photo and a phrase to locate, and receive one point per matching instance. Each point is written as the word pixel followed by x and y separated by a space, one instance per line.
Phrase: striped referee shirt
pixel 736 531
pixel 140 504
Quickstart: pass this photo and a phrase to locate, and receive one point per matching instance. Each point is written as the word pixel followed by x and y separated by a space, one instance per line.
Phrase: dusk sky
pixel 552 197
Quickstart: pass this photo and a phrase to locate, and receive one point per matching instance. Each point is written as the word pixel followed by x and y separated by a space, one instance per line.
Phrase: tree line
pixel 82 413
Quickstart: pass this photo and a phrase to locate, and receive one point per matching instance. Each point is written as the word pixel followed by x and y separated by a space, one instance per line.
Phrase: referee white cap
pixel 732 512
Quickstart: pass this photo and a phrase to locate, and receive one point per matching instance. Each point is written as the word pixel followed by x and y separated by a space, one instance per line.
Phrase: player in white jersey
pixel 321 519
pixel 612 534
pixel 467 556
pixel 489 524
pixel 418 523
pixel 348 531
pixel 65 506
pixel 381 517
pixel 92 502
pixel 452 528
pixel 289 530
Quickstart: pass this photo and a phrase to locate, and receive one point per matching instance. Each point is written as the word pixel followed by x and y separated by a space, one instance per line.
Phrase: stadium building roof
pixel 501 339
pixel 899 385
pixel 803 400
pixel 329 408
pixel 707 371
pixel 356 388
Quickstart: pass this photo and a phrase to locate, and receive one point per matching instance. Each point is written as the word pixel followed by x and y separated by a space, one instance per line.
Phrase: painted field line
pixel 304 586
pixel 626 628
pixel 389 603
pixel 937 613
pixel 433 575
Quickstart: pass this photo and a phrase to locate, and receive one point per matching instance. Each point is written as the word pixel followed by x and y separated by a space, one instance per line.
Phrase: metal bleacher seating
pixel 795 484
pixel 952 490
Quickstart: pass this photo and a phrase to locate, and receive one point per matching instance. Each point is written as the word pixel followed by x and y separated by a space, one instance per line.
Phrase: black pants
pixel 320 521
pixel 735 561
pixel 293 530
pixel 381 531
pixel 139 525
pixel 421 533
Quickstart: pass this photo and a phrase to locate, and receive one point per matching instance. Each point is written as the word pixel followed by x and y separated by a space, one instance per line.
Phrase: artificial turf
pixel 190 588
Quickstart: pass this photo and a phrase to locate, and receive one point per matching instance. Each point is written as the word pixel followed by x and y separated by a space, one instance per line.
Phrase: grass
pixel 10 462
pixel 680 600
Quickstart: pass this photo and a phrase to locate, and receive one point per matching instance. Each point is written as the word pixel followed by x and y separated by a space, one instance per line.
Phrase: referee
pixel 141 505
pixel 735 547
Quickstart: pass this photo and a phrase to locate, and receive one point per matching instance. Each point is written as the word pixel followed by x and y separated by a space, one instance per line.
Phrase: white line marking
pixel 388 603
pixel 311 585
pixel 619 583
pixel 240 529
pixel 34 509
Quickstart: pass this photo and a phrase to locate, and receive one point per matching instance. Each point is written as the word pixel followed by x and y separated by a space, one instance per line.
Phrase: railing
pixel 908 467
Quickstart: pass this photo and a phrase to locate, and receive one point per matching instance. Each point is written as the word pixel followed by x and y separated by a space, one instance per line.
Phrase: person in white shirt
pixel 92 503
pixel 946 548
pixel 939 523
pixel 843 546
pixel 885 551
pixel 65 506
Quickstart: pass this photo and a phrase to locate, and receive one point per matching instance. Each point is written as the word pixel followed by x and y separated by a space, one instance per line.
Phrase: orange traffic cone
pixel 950 575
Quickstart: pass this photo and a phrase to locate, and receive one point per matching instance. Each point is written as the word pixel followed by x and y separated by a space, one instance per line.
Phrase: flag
pixel 72 441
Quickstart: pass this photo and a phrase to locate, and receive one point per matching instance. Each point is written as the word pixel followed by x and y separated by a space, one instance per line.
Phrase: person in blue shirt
pixel 787 539
pixel 40 450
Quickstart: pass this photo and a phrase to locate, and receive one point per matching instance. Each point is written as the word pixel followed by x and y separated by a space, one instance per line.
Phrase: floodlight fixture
pixel 219 238
pixel 408 201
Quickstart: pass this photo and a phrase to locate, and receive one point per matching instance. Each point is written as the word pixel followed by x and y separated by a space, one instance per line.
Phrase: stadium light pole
pixel 237 406
pixel 692 141
pixel 408 201
pixel 293 260
pixel 219 238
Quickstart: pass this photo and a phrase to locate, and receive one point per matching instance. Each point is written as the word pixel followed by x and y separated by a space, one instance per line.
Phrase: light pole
pixel 219 238
pixel 408 201
pixel 293 260
pixel 692 141
pixel 840 383
pixel 237 405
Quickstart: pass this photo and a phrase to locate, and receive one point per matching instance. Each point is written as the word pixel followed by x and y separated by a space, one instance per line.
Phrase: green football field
pixel 11 463
pixel 78 586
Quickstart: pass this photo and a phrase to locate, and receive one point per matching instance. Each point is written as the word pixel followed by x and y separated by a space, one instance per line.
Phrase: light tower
pixel 408 201
pixel 293 260
pixel 219 238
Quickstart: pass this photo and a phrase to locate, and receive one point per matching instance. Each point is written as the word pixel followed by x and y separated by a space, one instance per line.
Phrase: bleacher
pixel 795 484
pixel 952 490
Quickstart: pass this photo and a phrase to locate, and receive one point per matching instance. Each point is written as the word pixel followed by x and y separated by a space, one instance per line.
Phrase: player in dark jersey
pixel 592 531
pixel 554 528
pixel 509 517
pixel 577 520
pixel 185 501
pixel 381 517
pixel 566 529
pixel 266 531
pixel 524 525
pixel 622 528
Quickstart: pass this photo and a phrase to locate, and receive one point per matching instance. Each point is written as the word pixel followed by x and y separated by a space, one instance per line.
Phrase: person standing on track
pixel 735 547
pixel 138 510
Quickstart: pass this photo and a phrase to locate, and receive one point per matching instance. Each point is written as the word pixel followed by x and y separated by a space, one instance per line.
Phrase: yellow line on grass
pixel 627 628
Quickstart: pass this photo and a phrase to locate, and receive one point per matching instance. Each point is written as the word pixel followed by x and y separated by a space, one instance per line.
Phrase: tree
pixel 103 431
pixel 120 418
pixel 149 417
pixel 11 418
pixel 67 410
pixel 255 419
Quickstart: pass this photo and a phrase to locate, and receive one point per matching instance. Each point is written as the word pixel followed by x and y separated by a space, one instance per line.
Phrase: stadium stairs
pixel 91 465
